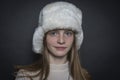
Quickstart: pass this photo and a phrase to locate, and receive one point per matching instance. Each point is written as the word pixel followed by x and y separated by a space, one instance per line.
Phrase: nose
pixel 61 39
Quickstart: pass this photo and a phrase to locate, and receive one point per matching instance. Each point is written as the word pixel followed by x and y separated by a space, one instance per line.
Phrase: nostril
pixel 61 42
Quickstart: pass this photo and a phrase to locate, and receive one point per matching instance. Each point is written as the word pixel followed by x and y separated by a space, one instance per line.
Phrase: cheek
pixel 50 41
pixel 70 41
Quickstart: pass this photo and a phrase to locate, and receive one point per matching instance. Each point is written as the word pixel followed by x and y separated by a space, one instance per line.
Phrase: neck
pixel 57 60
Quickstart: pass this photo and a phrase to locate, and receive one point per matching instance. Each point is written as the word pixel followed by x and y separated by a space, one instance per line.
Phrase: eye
pixel 52 33
pixel 68 33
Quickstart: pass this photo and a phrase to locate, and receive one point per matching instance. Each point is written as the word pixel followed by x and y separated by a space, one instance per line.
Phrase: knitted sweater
pixel 57 72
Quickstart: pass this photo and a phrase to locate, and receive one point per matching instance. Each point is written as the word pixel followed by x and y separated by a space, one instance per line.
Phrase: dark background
pixel 100 52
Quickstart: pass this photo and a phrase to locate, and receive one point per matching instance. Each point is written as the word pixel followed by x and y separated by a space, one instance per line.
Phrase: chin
pixel 60 54
pixel 57 53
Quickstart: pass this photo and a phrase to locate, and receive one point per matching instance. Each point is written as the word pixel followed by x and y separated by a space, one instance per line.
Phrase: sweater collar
pixel 59 66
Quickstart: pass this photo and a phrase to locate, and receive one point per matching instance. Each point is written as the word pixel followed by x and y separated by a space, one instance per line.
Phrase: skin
pixel 59 42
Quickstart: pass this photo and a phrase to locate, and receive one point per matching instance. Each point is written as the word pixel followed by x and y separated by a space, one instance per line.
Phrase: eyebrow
pixel 62 29
pixel 75 32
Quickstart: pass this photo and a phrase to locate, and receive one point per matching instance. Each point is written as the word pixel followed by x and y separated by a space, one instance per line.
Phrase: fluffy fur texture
pixel 58 15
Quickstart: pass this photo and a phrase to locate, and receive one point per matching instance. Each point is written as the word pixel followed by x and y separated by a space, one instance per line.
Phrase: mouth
pixel 60 48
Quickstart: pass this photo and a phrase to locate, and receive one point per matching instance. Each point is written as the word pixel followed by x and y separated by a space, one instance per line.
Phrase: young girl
pixel 57 38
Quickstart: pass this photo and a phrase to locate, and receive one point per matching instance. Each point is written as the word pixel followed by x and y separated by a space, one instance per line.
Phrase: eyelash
pixel 53 33
pixel 67 33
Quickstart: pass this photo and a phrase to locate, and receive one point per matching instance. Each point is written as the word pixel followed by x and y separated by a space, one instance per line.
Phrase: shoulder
pixel 86 73
pixel 23 74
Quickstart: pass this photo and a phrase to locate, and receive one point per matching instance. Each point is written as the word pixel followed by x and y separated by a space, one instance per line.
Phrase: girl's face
pixel 59 42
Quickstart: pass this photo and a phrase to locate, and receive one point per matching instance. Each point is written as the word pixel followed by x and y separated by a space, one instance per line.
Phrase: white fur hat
pixel 58 15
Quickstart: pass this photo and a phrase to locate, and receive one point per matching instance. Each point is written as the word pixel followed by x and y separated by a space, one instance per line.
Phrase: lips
pixel 60 48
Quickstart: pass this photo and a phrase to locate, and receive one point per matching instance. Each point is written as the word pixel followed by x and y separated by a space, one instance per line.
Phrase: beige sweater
pixel 57 72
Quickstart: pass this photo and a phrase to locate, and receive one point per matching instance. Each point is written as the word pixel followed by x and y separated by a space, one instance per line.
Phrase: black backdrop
pixel 99 51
